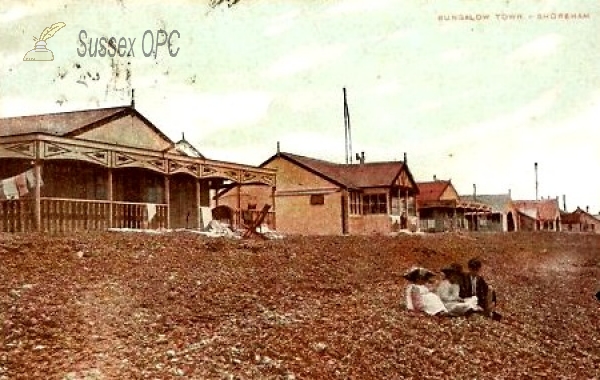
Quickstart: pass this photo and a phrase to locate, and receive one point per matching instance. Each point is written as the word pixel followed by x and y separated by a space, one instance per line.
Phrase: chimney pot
pixel 587 209
pixel 434 177
pixel 404 158
pixel 362 157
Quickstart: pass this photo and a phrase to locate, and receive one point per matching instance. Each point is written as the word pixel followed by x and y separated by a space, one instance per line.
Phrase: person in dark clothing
pixel 474 285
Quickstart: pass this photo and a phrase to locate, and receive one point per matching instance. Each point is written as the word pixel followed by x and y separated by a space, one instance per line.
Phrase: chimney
pixel 509 193
pixel 278 147
pixel 587 209
pixel 564 203
pixel 434 177
pixel 133 98
pixel 404 158
pixel 474 192
pixel 183 135
pixel 362 157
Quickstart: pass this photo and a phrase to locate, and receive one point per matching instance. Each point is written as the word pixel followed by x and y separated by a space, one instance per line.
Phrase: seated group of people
pixel 458 293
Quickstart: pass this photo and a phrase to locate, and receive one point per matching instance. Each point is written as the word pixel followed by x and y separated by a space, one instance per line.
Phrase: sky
pixel 474 101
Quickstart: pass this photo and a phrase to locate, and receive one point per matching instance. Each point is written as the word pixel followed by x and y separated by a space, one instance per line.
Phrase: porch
pixel 83 185
pixel 453 215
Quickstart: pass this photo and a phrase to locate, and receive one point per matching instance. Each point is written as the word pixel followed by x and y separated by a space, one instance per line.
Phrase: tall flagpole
pixel 347 131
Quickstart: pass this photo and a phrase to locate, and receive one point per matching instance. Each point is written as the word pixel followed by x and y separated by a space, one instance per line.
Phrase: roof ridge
pixel 309 158
pixel 343 164
pixel 116 108
pixel 436 181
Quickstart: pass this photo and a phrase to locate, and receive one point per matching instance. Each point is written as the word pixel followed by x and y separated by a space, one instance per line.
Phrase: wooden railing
pixel 16 215
pixel 135 215
pixel 62 215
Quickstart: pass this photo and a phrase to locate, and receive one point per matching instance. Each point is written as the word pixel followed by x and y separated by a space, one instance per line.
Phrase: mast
pixel 347 130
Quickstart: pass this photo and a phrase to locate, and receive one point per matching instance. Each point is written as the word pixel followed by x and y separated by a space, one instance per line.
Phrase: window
pixel 412 209
pixel 374 204
pixel 317 199
pixel 396 207
pixel 355 203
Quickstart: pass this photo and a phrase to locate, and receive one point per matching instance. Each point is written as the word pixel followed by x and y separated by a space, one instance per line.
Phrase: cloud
pixel 13 14
pixel 454 55
pixel 538 48
pixel 357 6
pixel 503 131
pixel 304 59
pixel 282 23
pixel 25 105
pixel 387 88
pixel 313 144
pixel 24 9
pixel 202 113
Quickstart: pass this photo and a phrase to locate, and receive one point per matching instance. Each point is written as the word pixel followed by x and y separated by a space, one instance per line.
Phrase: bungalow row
pixel 111 167
pixel 442 209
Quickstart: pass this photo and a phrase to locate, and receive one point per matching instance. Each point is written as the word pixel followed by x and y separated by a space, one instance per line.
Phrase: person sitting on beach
pixel 418 295
pixel 475 285
pixel 449 292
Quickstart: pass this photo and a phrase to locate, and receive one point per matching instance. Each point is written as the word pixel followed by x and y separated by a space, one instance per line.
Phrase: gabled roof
pixel 353 176
pixel 545 209
pixel 576 216
pixel 186 148
pixel 70 124
pixel 432 191
pixel 497 202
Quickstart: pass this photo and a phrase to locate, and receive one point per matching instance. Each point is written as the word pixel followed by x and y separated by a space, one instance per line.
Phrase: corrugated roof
pixel 58 124
pixel 497 202
pixel 371 174
pixel 546 209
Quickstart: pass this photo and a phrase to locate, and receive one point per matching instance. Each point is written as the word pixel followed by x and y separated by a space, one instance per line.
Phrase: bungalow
pixel 502 215
pixel 539 215
pixel 317 197
pixel 441 209
pixel 102 168
pixel 579 221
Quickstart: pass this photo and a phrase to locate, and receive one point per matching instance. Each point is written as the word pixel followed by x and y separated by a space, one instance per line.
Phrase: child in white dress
pixel 449 292
pixel 419 297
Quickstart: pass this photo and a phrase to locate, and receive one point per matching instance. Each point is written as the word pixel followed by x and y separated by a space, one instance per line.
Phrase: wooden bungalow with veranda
pixel 102 168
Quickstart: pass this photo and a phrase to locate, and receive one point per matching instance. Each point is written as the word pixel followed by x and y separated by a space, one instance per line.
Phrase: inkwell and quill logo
pixel 40 53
